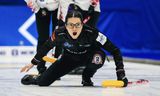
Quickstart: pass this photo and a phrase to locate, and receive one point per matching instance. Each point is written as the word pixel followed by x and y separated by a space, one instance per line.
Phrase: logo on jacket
pixel 97 59
pixel 66 44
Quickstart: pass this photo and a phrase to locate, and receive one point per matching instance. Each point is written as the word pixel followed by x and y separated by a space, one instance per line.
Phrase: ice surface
pixel 70 85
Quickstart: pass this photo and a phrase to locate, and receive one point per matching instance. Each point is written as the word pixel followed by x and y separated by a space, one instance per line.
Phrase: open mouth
pixel 74 33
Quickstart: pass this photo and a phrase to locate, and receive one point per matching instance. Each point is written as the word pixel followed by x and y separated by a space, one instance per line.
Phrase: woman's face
pixel 74 27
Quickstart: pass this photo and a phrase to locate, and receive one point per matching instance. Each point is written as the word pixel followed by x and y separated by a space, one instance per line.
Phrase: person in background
pixel 46 13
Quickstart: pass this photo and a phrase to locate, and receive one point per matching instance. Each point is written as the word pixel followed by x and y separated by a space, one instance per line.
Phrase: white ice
pixel 70 85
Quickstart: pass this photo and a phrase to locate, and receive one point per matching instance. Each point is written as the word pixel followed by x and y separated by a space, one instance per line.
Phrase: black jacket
pixel 88 41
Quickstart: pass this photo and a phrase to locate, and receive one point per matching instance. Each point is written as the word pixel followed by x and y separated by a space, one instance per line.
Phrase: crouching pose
pixel 81 47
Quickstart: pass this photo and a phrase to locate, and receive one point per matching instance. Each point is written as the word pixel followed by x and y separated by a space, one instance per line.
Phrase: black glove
pixel 121 76
pixel 90 10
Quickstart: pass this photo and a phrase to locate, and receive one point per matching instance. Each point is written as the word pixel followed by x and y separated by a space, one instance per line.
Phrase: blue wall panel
pixel 133 25
pixel 11 19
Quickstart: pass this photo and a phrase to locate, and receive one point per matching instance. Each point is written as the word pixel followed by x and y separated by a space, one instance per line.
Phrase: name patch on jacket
pixel 101 38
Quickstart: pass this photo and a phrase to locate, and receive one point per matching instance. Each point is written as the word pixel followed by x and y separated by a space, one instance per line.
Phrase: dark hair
pixel 74 13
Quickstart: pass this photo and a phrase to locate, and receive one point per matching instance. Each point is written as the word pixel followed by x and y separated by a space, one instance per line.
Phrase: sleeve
pixel 106 44
pixel 47 46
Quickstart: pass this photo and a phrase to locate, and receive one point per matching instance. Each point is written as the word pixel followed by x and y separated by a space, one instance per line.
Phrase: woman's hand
pixel 27 67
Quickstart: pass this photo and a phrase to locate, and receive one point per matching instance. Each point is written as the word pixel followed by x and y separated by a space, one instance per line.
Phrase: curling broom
pixel 118 83
pixel 112 83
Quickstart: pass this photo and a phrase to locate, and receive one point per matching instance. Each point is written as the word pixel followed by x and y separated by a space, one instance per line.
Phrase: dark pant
pixel 68 63
pixel 43 21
